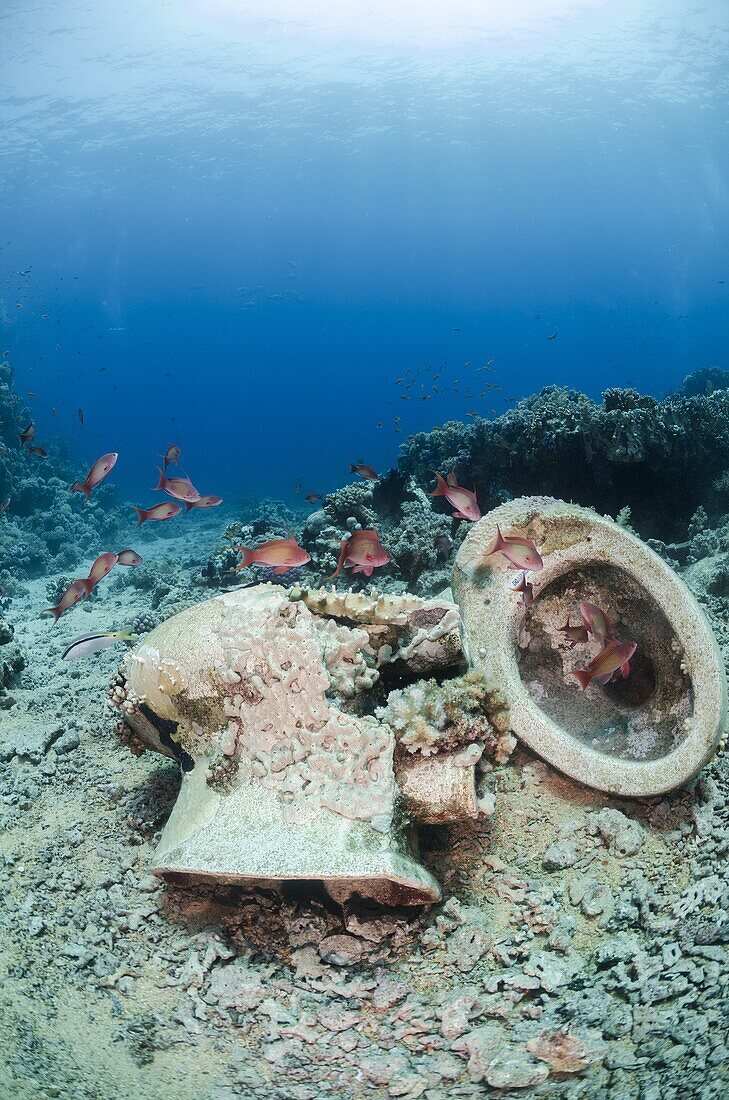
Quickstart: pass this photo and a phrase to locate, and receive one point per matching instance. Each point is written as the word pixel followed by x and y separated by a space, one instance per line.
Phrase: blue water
pixel 240 224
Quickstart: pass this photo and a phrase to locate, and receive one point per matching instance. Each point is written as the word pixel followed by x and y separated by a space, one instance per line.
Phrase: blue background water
pixel 239 230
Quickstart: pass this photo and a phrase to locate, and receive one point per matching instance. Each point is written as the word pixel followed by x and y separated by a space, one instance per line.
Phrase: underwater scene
pixel 364 549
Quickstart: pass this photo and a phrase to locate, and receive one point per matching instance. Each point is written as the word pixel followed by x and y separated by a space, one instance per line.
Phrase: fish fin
pixel 189 505
pixel 126 634
pixel 602 680
pixel 625 670
pixel 441 487
pixel 584 676
pixel 160 481
pixel 52 611
pixel 340 562
pixel 458 515
pixel 80 487
pixel 452 480
pixel 497 543
pixel 566 626
pixel 352 468
pixel 282 569
pixel 141 515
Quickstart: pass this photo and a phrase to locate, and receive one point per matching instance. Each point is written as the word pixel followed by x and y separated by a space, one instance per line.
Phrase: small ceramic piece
pixel 641 735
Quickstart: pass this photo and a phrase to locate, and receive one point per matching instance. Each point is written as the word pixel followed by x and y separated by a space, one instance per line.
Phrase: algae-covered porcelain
pixel 284 779
pixel 641 735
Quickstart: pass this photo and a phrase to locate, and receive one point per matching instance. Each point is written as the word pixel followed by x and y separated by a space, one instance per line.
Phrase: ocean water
pixel 236 225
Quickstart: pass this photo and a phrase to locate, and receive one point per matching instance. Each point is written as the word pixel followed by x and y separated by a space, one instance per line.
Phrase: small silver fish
pixel 85 644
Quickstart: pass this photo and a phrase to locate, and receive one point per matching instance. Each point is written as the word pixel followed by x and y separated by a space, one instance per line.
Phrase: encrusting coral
pixel 431 717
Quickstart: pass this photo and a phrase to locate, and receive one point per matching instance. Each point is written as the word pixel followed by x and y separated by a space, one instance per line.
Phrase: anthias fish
pixel 312 498
pixel 128 557
pixel 181 488
pixel 208 501
pixel 574 635
pixel 362 552
pixel 171 456
pixel 165 510
pixel 96 474
pixel 85 644
pixel 71 595
pixel 39 452
pixel 367 472
pixel 519 583
pixel 27 434
pixel 519 551
pixel 101 568
pixel 596 622
pixel 614 656
pixel 463 500
pixel 279 554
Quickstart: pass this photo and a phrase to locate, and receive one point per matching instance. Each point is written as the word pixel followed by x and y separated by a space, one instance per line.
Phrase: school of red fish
pixel 361 552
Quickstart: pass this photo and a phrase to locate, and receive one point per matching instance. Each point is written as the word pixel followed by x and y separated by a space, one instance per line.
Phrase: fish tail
pixel 52 611
pixel 497 543
pixel 352 469
pixel 161 480
pixel 81 487
pixel 441 486
pixel 141 515
pixel 584 676
pixel 340 562
pixel 189 505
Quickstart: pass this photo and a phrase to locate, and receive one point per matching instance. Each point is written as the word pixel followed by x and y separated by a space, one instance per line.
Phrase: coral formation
pixel 625 451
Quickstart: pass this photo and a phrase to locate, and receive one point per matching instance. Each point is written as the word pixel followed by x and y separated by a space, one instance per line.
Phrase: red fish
pixel 614 656
pixel 128 557
pixel 463 500
pixel 27 434
pixel 367 472
pixel 573 634
pixel 208 501
pixel 596 622
pixel 171 456
pixel 281 554
pixel 520 584
pixel 181 488
pixel 71 595
pixel 362 552
pixel 165 510
pixel 96 474
pixel 39 452
pixel 520 552
pixel 100 569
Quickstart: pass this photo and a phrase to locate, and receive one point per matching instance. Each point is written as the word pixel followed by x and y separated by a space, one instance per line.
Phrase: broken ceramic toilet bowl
pixel 638 736
pixel 283 778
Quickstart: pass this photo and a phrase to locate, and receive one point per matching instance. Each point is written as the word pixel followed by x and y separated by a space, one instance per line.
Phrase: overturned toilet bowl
pixel 637 736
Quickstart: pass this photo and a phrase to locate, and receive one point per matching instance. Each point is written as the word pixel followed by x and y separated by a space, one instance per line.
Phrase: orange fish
pixel 281 554
pixel 463 500
pixel 573 634
pixel 171 455
pixel 208 501
pixel 71 595
pixel 520 552
pixel 100 569
pixel 614 656
pixel 181 488
pixel 96 474
pixel 40 452
pixel 165 510
pixel 596 622
pixel 27 434
pixel 128 557
pixel 364 471
pixel 362 552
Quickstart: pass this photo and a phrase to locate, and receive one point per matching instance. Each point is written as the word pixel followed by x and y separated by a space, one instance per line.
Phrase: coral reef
pixel 44 527
pixel 12 661
pixel 625 451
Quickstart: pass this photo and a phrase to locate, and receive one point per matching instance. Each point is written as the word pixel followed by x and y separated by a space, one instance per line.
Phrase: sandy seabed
pixel 580 950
